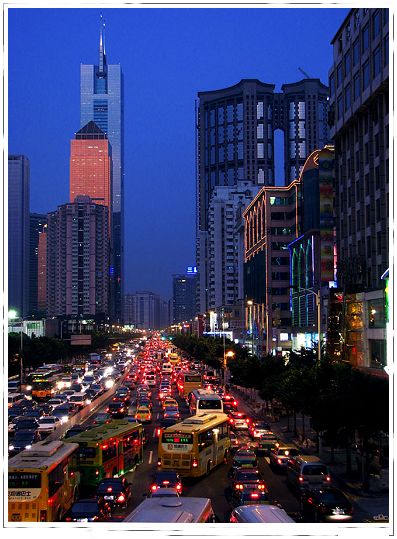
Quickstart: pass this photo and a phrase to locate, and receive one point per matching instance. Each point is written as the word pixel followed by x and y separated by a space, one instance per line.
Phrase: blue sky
pixel 167 56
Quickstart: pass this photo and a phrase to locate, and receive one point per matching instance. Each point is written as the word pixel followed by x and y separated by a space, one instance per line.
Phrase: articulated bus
pixel 195 445
pixel 204 400
pixel 188 382
pixel 109 450
pixel 41 484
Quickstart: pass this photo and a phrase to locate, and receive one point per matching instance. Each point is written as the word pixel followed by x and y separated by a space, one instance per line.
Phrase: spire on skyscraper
pixel 102 53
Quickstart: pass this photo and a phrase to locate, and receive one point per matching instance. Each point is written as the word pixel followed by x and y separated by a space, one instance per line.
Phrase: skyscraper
pixel 184 295
pixel 18 233
pixel 146 310
pixel 37 223
pixel 101 100
pixel 78 259
pixel 90 166
pixel 235 141
pixel 42 271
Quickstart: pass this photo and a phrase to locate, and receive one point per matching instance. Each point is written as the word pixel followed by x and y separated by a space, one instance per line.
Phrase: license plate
pixel 16 517
pixel 108 497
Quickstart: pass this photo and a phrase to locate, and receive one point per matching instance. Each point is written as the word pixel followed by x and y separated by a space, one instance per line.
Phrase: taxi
pixel 267 442
pixel 143 414
pixel 169 402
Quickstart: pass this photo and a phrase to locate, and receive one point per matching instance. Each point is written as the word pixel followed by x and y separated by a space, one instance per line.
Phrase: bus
pixel 44 385
pixel 173 509
pixel 41 483
pixel 187 382
pixel 173 359
pixel 196 445
pixel 204 400
pixel 109 450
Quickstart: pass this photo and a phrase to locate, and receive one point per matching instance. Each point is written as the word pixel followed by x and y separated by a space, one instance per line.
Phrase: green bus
pixel 109 450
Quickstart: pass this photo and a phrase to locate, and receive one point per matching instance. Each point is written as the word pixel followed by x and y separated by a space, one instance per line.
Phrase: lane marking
pixel 267 459
pixel 150 457
pixel 158 415
pixel 154 433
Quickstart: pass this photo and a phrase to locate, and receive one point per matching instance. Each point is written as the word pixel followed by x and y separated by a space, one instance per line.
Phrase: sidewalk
pixel 374 501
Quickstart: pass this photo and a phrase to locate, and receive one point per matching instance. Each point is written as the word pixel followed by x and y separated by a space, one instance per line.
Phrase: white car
pixel 55 402
pixel 48 423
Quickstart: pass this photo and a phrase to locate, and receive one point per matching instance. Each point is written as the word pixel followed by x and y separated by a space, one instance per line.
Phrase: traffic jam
pixel 143 433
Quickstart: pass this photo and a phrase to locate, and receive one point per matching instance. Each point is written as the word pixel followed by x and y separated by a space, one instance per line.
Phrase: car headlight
pixel 28 446
pixel 28 388
pixel 10 447
pixel 64 419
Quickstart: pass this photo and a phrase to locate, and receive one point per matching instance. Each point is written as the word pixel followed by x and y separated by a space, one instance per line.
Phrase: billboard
pixel 80 340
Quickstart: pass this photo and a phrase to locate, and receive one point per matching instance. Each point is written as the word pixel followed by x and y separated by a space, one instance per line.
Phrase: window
pixel 348 97
pixel 366 74
pixel 332 84
pixel 376 62
pixel 280 261
pixel 377 177
pixel 347 63
pixel 356 85
pixel 339 75
pixel 339 107
pixel 366 147
pixel 376 313
pixel 260 150
pixel 356 52
pixel 376 144
pixel 56 478
pixel 259 131
pixel 386 50
pixel 365 38
pixel 375 24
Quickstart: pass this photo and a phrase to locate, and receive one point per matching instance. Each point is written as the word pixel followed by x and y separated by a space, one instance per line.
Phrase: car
pixel 48 423
pixel 234 442
pixel 161 492
pixel 229 403
pixel 68 393
pixel 23 439
pixel 54 402
pixel 245 477
pixel 249 496
pixel 173 414
pixel 12 421
pixel 164 423
pixel 326 504
pixel 63 412
pixel 117 410
pixel 143 414
pixel 76 388
pixel 278 457
pixel 89 510
pixel 267 442
pixel 245 458
pixel 166 479
pixel 169 401
pixel 258 428
pixel 307 471
pixel 98 388
pixel 26 423
pixel 80 400
pixel 239 420
pixel 115 490
pixel 101 418
pixel 145 402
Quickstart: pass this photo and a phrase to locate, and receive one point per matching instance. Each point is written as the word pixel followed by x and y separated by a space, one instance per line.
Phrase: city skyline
pixel 159 129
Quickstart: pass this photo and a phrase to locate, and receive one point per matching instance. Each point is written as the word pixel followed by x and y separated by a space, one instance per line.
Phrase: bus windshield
pixel 210 404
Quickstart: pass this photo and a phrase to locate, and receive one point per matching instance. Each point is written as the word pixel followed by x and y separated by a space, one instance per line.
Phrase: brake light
pixel 179 486
pixel 300 478
pixel 166 482
pixel 328 478
pixel 231 420
pixel 158 432
pixel 261 487
pixel 96 472
pixel 121 498
pixel 194 463
pixel 109 489
pixel 254 495
pixel 239 486
pixel 159 462
pixel 43 515
pixel 234 403
pixel 247 420
pixel 279 461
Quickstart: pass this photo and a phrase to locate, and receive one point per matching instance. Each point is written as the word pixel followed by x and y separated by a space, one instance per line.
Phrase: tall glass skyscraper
pixel 101 100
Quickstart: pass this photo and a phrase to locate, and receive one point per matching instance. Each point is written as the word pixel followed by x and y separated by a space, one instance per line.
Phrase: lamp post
pixel 13 315
pixel 251 304
pixel 226 355
pixel 318 304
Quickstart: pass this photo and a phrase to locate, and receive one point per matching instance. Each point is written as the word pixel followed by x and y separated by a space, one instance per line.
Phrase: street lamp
pixel 251 304
pixel 13 315
pixel 318 304
pixel 229 354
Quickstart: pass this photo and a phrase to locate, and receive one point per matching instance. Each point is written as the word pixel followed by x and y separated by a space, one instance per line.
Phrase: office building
pixel 225 246
pixel 18 233
pixel 184 295
pixel 78 260
pixel 42 270
pixel 37 223
pixel 359 115
pixel 102 101
pixel 235 141
pixel 146 310
pixel 90 166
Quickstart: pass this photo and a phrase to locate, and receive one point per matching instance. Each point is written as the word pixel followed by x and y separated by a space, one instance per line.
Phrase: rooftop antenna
pixel 102 53
pixel 304 73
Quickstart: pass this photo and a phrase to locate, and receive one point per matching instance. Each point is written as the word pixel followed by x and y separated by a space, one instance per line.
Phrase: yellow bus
pixel 196 445
pixel 41 483
pixel 173 359
pixel 44 385
pixel 109 450
pixel 188 382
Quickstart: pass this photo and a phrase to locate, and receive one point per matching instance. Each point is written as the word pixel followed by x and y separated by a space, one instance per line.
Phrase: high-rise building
pixel 359 115
pixel 42 271
pixel 78 260
pixel 90 166
pixel 101 98
pixel 146 310
pixel 235 141
pixel 225 247
pixel 37 223
pixel 184 295
pixel 18 233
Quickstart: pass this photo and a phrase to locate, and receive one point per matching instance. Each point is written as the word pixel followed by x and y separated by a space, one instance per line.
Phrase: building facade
pixel 91 166
pixel 18 234
pixel 102 100
pixel 42 271
pixel 235 141
pixel 38 222
pixel 78 260
pixel 146 310
pixel 359 114
pixel 184 295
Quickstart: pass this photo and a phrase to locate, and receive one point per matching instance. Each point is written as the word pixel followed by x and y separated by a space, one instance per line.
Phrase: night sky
pixel 167 56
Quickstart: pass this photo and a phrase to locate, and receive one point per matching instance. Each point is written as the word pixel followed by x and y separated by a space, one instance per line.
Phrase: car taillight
pixel 109 489
pixel 261 487
pixel 231 420
pixel 68 519
pixel 96 472
pixel 254 495
pixel 158 432
pixel 43 515
pixel 239 486
pixel 234 403
pixel 300 478
pixel 159 462
pixel 121 498
pixel 279 461
pixel 328 478
pixel 194 463
pixel 179 486
pixel 247 420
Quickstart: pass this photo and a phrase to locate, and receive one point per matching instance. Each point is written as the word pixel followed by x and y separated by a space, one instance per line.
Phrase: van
pixel 307 471
pixel 166 368
pixel 269 514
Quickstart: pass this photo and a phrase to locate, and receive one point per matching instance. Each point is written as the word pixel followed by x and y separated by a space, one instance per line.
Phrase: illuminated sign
pixel 191 270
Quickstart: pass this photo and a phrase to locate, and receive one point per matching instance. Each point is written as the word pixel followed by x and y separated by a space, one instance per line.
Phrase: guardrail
pixel 86 412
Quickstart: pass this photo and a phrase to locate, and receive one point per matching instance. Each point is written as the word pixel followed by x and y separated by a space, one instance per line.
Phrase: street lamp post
pixel 226 355
pixel 318 304
pixel 251 304
pixel 13 315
